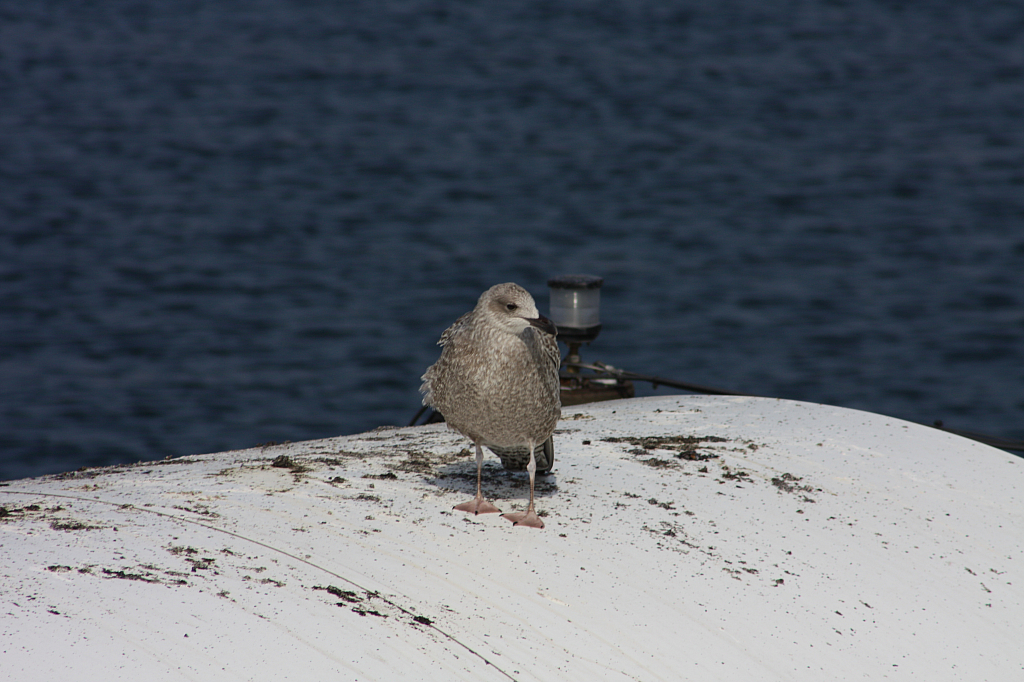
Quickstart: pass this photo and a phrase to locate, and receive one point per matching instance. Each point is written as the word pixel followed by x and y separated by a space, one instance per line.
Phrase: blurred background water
pixel 225 223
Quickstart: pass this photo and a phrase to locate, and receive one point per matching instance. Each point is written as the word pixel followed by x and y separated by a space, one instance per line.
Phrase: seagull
pixel 497 384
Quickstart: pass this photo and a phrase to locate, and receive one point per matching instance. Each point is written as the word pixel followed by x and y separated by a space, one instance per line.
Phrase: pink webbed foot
pixel 527 518
pixel 477 505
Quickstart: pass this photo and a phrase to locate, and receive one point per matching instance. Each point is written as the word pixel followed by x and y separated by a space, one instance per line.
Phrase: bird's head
pixel 512 309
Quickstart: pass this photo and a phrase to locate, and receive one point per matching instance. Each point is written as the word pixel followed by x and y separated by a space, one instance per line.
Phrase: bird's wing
pixel 456 328
pixel 550 347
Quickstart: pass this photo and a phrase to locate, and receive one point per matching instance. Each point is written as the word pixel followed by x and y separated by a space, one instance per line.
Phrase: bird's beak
pixel 545 325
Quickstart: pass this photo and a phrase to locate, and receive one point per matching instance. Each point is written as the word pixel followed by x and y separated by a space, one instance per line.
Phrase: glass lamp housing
pixel 576 307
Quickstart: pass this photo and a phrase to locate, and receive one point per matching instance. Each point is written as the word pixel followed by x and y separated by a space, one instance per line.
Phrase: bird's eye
pixel 511 306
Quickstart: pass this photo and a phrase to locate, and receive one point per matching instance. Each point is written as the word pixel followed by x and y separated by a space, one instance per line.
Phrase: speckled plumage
pixel 496 381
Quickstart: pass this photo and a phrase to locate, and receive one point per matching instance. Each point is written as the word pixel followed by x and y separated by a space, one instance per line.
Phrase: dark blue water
pixel 226 223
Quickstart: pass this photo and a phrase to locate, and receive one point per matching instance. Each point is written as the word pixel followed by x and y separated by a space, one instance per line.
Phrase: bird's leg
pixel 528 517
pixel 478 505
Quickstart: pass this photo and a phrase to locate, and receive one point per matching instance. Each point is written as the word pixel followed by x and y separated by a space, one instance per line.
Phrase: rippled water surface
pixel 226 223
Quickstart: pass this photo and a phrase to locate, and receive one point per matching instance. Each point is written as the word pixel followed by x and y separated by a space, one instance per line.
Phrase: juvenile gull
pixel 496 383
